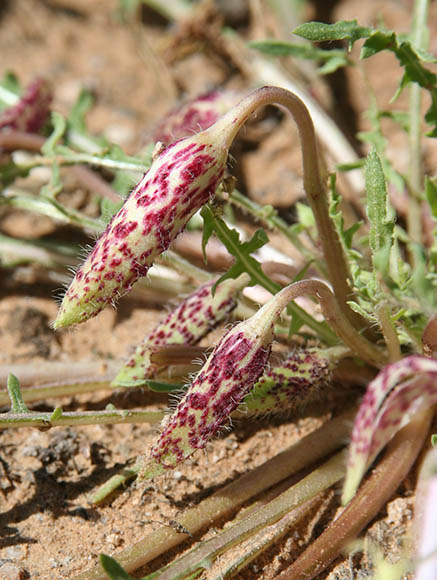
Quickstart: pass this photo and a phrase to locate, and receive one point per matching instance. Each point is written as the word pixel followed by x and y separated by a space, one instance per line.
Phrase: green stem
pixel 330 437
pixel 58 418
pixel 74 158
pixel 419 38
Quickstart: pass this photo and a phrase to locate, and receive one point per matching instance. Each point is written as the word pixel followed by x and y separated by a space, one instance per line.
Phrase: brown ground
pixel 48 528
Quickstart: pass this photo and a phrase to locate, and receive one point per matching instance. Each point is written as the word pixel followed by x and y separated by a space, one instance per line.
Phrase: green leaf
pixel 378 41
pixel 57 414
pixel 76 118
pixel 17 402
pixel 10 90
pixel 333 59
pixel 113 568
pixel 434 440
pixel 108 208
pixel 381 224
pixel 59 127
pixel 344 30
pixel 431 194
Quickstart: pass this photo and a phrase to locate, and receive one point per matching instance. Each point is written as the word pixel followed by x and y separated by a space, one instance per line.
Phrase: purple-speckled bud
pixel 292 384
pixel 194 116
pixel 199 313
pixel 32 110
pixel 181 180
pixel 400 390
pixel 230 372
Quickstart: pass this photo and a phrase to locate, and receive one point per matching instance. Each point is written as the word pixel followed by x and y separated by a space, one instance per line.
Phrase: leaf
pixel 17 402
pixel 113 568
pixel 76 118
pixel 381 224
pixel 241 251
pixel 332 59
pixel 344 30
pixel 378 41
pixel 431 194
pixel 399 391
pixel 10 90
pixel 59 127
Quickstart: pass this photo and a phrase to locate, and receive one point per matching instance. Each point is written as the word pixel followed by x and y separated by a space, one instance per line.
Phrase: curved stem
pixel 314 186
pixel 383 482
pixel 333 315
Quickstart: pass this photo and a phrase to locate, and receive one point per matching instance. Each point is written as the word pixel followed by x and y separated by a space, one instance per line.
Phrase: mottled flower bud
pixel 187 324
pixel 293 384
pixel 399 391
pixel 32 110
pixel 232 369
pixel 182 178
pixel 194 116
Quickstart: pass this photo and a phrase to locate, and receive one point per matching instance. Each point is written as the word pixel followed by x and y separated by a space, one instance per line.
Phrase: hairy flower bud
pixel 182 178
pixel 187 324
pixel 232 369
pixel 292 384
pixel 31 112
pixel 398 392
pixel 194 116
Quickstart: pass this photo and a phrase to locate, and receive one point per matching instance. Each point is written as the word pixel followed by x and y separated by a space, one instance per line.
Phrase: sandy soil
pixel 48 527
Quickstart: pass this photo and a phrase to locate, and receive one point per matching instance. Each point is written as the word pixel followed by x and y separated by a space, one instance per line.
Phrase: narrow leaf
pixel 17 402
pixel 381 225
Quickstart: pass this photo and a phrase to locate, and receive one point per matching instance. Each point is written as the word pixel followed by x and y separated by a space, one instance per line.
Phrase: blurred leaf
pixel 113 568
pixel 344 30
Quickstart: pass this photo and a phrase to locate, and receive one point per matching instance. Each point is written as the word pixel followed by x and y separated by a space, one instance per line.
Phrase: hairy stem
pixel 389 332
pixel 58 418
pixel 314 185
pixel 307 451
pixel 373 494
pixel 335 317
pixel 11 140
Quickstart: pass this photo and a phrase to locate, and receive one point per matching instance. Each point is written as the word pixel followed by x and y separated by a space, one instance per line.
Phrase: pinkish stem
pixel 373 494
pixel 313 184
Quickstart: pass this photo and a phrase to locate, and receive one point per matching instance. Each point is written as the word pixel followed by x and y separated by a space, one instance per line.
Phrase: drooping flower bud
pixel 232 369
pixel 182 178
pixel 398 392
pixel 294 383
pixel 32 110
pixel 199 313
pixel 194 116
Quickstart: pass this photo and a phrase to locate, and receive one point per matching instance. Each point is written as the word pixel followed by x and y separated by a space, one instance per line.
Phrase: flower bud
pixel 401 390
pixel 31 112
pixel 194 116
pixel 181 179
pixel 292 384
pixel 187 324
pixel 232 369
